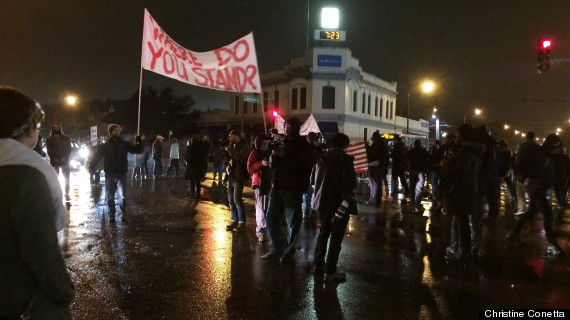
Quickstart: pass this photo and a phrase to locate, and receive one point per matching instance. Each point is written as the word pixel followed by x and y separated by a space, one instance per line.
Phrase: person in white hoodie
pixel 35 282
pixel 174 158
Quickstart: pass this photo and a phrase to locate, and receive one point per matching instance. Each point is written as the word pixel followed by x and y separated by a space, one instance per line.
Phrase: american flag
pixel 358 151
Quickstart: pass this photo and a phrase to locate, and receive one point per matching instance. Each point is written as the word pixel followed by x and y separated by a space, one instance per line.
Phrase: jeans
pixel 373 179
pixel 335 232
pixel 521 194
pixel 306 204
pixel 116 182
pixel 416 187
pixel 261 202
pixel 65 170
pixel 218 170
pixel 538 203
pixel 195 187
pixel 402 175
pixel 286 202
pixel 235 199
pixel 157 168
pixel 434 181
pixel 174 163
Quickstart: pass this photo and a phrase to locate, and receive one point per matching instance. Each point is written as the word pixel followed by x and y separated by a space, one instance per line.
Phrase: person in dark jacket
pixel 460 170
pixel 59 149
pixel 236 155
pixel 436 155
pixel 292 165
pixel 194 167
pixel 526 160
pixel 537 182
pixel 417 160
pixel 261 174
pixel 377 154
pixel 157 152
pixel 398 168
pixel 115 151
pixel 34 281
pixel 335 180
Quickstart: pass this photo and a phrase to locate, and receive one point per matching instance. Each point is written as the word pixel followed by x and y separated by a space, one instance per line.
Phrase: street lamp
pixel 476 112
pixel 428 87
pixel 71 100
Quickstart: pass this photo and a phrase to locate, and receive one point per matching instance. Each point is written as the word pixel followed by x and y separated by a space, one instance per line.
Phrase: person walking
pixel 335 180
pixel 34 279
pixel 261 174
pixel 94 176
pixel 377 164
pixel 115 150
pixel 292 165
pixel 174 158
pixel 236 157
pixel 141 170
pixel 417 161
pixel 218 158
pixel 398 168
pixel 538 181
pixel 460 170
pixel 194 168
pixel 526 160
pixel 59 149
pixel 157 152
pixel 308 194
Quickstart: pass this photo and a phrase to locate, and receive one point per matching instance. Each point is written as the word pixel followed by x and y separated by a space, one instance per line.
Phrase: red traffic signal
pixel 543 55
pixel 274 113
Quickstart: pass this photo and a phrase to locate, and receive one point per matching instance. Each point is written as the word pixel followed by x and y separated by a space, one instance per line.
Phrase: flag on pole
pixel 230 68
pixel 310 125
pixel 358 151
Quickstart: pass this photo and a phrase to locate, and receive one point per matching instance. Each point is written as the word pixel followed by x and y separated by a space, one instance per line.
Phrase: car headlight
pixel 84 152
pixel 74 164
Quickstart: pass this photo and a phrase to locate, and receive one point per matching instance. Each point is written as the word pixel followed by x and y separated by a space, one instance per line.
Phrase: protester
pixel 526 160
pixel 538 180
pixel 95 175
pixel 157 152
pixel 307 195
pixel 174 158
pixel 34 282
pixel 205 154
pixel 335 180
pixel 59 149
pixel 507 161
pixel 378 160
pixel 258 167
pixel 141 169
pixel 218 158
pixel 115 151
pixel 398 168
pixel 459 187
pixel 292 165
pixel 436 155
pixel 417 162
pixel 236 158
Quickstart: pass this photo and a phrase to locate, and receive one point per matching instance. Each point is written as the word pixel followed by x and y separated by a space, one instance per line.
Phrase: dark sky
pixel 480 53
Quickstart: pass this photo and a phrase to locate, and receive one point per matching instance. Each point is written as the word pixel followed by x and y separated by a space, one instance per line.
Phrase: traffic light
pixel 274 113
pixel 543 56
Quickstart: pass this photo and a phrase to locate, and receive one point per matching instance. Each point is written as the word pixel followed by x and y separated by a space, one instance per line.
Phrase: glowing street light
pixel 428 86
pixel 558 130
pixel 329 18
pixel 506 126
pixel 71 100
pixel 516 132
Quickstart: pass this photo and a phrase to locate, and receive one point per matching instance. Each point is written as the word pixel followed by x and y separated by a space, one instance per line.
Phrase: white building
pixel 330 84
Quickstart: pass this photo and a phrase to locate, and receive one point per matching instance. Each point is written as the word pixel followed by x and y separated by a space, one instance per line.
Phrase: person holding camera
pixel 261 173
pixel 115 150
pixel 335 180
pixel 236 157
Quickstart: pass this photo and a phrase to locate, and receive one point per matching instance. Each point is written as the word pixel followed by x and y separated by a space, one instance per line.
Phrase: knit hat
pixel 159 137
pixel 112 127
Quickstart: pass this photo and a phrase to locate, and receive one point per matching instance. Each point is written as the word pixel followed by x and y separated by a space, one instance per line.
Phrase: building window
pixel 381 107
pixel 376 107
pixel 365 134
pixel 328 97
pixel 265 100
pixel 392 111
pixel 276 99
pixel 303 103
pixel 294 93
pixel 363 102
pixel 354 100
pixel 236 105
pixel 387 109
pixel 244 107
pixel 369 102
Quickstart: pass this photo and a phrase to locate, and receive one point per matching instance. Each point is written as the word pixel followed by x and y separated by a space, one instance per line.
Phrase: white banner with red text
pixel 230 68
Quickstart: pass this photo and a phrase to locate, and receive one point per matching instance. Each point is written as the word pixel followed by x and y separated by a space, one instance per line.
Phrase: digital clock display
pixel 333 35
pixel 330 35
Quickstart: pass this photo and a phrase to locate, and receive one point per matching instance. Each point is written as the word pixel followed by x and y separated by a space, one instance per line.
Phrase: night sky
pixel 480 53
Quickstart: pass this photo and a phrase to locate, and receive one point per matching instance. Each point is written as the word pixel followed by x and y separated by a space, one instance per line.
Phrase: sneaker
pixel 240 227
pixel 231 226
pixel 519 213
pixel 553 250
pixel 269 255
pixel 335 277
pixel 261 238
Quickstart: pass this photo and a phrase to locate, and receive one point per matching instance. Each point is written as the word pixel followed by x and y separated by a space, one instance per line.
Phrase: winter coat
pixel 58 149
pixel 527 160
pixel 260 175
pixel 236 158
pixel 193 162
pixel 31 258
pixel 115 152
pixel 378 151
pixel 459 176
pixel 417 159
pixel 335 180
pixel 293 171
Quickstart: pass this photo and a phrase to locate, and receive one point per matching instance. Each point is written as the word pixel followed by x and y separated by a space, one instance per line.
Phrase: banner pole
pixel 139 111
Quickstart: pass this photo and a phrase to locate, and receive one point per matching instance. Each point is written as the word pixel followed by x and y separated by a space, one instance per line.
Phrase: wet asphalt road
pixel 173 259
